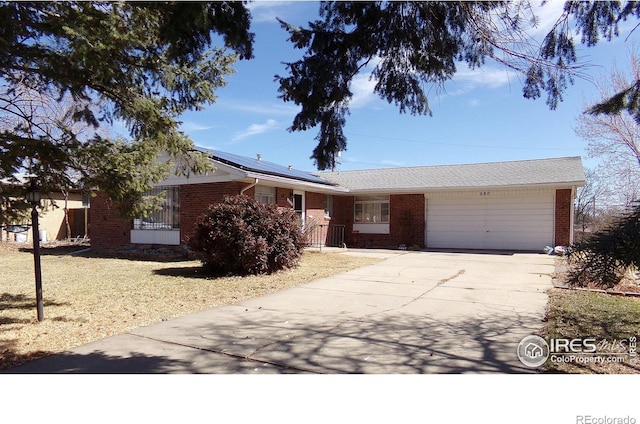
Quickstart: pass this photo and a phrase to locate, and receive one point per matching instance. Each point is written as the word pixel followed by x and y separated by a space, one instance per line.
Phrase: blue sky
pixel 480 116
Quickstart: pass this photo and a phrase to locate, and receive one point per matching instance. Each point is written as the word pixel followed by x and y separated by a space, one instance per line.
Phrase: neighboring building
pixel 52 223
pixel 519 205
pixel 52 216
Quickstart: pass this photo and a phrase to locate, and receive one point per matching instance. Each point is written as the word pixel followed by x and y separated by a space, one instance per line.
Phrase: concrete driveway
pixel 414 312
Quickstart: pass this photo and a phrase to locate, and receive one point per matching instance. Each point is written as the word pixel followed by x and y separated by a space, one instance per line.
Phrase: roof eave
pixel 295 182
pixel 409 190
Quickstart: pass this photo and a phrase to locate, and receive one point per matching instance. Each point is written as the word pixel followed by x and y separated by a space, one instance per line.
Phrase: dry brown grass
pixel 577 314
pixel 602 315
pixel 89 298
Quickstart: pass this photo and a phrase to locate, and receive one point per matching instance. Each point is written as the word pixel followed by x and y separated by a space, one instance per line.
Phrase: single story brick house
pixel 516 205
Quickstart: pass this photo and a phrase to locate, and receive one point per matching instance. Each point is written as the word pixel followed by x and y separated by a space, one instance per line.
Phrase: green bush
pixel 603 258
pixel 241 236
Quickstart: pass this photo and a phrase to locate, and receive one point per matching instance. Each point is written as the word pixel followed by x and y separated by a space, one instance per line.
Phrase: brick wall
pixel 317 223
pixel 407 219
pixel 406 222
pixel 315 204
pixel 282 194
pixel 109 230
pixel 563 217
pixel 343 215
pixel 195 199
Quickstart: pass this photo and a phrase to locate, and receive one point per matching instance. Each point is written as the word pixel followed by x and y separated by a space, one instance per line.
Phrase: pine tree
pixel 409 47
pixel 605 257
pixel 138 64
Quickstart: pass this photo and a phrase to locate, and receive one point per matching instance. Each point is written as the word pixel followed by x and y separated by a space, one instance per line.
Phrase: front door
pixel 298 204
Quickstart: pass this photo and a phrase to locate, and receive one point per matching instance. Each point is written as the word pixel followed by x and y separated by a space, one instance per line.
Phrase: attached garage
pixel 490 219
pixel 515 205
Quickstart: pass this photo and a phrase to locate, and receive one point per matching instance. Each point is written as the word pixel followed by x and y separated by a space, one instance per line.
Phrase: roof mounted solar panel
pixel 265 167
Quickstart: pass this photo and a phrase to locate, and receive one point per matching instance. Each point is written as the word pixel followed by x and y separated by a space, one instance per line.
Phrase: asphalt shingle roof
pixel 567 170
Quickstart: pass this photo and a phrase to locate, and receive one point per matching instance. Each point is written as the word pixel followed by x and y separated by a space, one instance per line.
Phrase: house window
pixel 371 209
pixel 328 206
pixel 266 195
pixel 167 216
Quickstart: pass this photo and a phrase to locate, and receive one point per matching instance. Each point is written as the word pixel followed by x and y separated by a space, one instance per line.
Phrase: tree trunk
pixel 66 214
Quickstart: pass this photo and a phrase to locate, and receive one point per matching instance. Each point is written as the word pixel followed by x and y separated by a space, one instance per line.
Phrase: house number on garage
pixel 485 193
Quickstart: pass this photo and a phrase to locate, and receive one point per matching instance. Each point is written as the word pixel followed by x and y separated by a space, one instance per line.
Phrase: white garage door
pixel 491 220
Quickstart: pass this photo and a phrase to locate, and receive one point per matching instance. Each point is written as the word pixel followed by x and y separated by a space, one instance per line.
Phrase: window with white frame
pixel 371 209
pixel 167 215
pixel 328 206
pixel 265 195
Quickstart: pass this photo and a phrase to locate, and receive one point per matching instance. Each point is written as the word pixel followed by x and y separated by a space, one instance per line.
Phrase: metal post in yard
pixel 36 261
pixel 33 197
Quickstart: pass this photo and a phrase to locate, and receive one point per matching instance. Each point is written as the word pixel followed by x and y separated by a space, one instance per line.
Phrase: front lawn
pixel 89 298
pixel 575 314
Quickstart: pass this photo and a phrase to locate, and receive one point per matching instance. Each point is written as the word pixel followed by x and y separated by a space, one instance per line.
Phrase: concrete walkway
pixel 414 312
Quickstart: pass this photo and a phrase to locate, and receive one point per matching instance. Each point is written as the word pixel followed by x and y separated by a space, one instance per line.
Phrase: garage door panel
pixel 535 208
pixel 453 240
pixel 516 222
pixel 522 219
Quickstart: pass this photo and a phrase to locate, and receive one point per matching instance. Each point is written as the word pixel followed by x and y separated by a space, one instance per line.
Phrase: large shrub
pixel 603 258
pixel 241 236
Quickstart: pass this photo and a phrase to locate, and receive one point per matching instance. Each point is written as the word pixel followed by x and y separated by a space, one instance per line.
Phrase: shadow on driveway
pixel 386 344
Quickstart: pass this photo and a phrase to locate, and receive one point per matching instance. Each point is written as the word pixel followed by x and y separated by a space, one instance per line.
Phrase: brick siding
pixel 195 200
pixel 407 219
pixel 282 194
pixel 562 226
pixel 406 222
pixel 315 204
pixel 317 222
pixel 109 230
pixel 343 215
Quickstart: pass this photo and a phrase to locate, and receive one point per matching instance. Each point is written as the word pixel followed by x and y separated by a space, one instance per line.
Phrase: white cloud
pixel 547 15
pixel 493 75
pixel 362 88
pixel 464 81
pixel 267 11
pixel 255 129
pixel 473 103
pixel 485 76
pixel 190 126
pixel 288 111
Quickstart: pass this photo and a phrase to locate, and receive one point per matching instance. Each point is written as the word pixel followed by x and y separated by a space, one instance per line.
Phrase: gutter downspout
pixel 573 213
pixel 255 182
